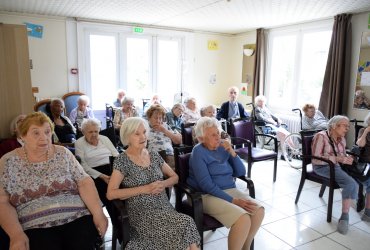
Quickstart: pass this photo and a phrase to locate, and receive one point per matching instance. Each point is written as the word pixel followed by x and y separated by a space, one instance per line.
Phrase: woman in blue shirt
pixel 213 166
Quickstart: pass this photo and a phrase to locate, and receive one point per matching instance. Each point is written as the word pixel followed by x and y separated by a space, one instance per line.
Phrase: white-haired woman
pixel 127 110
pixel 173 117
pixel 213 166
pixel 331 144
pixel 191 113
pixel 94 150
pixel 82 111
pixel 274 122
pixel 141 173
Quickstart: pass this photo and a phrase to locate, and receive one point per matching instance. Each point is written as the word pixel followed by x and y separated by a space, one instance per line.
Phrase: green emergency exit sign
pixel 138 30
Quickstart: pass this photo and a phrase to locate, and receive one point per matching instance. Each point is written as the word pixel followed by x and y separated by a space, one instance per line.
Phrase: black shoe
pixel 282 157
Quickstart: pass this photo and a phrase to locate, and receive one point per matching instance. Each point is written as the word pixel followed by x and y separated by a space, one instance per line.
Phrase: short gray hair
pixel 84 98
pixel 57 100
pixel 127 99
pixel 367 120
pixel 178 105
pixel 259 98
pixel 130 126
pixel 14 124
pixel 333 122
pixel 203 123
pixel 204 109
pixel 90 122
pixel 234 88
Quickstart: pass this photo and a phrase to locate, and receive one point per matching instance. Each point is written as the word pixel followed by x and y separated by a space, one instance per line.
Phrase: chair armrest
pixel 196 203
pixel 250 185
pixel 273 137
pixel 330 163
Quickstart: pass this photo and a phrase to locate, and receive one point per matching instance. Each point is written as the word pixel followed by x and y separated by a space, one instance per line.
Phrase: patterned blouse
pixel 44 194
pixel 158 141
pixel 120 116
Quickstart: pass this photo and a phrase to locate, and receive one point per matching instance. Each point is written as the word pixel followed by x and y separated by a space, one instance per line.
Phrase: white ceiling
pixel 221 16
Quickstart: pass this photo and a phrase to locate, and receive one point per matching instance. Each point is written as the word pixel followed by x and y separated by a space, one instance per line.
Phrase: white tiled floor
pixel 289 226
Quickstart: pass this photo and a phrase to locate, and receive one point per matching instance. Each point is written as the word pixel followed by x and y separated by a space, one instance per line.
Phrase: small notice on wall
pixel 365 79
pixel 34 30
pixel 212 45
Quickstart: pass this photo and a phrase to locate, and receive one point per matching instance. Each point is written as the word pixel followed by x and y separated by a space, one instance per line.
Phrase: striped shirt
pixel 321 147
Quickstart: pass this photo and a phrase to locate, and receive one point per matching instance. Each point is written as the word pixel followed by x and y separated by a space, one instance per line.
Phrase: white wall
pixel 48 54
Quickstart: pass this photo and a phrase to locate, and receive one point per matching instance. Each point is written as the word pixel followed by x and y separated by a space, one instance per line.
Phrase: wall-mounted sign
pixel 212 45
pixel 34 30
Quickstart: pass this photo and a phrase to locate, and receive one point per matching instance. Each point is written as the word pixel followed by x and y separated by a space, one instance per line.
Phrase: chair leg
pixel 275 169
pixel 322 190
pixel 114 239
pixel 330 204
pixel 300 189
pixel 249 169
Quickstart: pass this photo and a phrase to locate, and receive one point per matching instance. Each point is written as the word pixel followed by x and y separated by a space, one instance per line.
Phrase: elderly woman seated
pixel 64 128
pixel 213 166
pixel 127 110
pixel 154 222
pixel 210 111
pixel 82 111
pixel 161 136
pixel 264 114
pixel 94 151
pixel 191 113
pixel 15 141
pixel 313 119
pixel 173 118
pixel 331 144
pixel 47 201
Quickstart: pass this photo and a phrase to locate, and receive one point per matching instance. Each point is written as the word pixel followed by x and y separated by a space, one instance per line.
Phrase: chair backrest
pixel 109 112
pixel 187 134
pixel 70 101
pixel 43 106
pixel 182 157
pixel 110 133
pixel 307 137
pixel 243 129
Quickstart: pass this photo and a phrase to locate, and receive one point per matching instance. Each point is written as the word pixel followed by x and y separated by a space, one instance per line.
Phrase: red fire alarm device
pixel 74 71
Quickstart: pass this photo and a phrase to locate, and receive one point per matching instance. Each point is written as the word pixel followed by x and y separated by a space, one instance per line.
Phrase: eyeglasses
pixel 344 125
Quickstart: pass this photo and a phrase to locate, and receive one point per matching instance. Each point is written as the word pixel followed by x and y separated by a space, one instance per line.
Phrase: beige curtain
pixel 259 64
pixel 334 94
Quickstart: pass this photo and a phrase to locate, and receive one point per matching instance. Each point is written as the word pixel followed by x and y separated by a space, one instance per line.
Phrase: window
pixel 296 66
pixel 141 64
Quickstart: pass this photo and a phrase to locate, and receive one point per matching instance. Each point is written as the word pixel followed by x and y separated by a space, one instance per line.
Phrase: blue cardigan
pixel 212 171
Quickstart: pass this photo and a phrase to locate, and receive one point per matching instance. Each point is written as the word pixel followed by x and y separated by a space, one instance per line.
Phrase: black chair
pixel 109 112
pixel 187 134
pixel 309 174
pixel 204 222
pixel 244 141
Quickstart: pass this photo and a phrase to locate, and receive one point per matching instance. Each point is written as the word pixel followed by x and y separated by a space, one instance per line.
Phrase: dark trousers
pixel 101 186
pixel 79 234
pixel 4 240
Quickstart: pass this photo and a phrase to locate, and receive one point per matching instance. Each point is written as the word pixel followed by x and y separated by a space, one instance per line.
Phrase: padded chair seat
pixel 258 154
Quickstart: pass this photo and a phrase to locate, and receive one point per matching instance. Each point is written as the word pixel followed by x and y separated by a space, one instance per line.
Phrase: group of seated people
pixel 48 200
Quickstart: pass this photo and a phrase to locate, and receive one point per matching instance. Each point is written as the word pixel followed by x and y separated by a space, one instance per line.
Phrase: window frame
pixel 299 31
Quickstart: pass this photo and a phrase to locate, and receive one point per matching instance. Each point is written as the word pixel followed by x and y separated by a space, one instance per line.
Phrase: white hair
pixel 83 98
pixel 130 126
pixel 259 98
pixel 333 122
pixel 203 123
pixel 127 99
pixel 90 122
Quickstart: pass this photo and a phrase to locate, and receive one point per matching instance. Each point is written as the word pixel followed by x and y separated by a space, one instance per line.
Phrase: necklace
pixel 43 170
